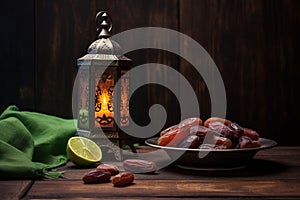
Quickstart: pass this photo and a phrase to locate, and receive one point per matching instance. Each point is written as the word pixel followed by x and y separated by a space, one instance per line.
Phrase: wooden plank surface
pixel 273 173
pixel 169 188
pixel 14 189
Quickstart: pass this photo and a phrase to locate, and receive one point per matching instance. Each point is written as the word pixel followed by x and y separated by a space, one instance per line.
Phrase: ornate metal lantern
pixel 102 108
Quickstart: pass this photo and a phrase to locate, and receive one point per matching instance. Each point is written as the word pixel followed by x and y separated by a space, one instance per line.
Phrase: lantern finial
pixel 104 24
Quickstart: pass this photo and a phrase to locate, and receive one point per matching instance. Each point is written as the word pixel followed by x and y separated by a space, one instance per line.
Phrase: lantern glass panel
pixel 104 104
pixel 124 99
pixel 83 98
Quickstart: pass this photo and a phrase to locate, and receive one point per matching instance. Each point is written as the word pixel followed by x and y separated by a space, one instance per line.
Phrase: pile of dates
pixel 215 133
pixel 105 172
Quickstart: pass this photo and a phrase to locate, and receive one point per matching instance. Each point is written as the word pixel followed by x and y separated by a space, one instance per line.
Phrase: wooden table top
pixel 273 174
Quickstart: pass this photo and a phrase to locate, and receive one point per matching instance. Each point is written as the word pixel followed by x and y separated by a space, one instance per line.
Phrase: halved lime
pixel 83 151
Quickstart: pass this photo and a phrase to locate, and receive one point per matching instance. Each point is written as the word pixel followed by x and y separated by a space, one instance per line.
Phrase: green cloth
pixel 32 144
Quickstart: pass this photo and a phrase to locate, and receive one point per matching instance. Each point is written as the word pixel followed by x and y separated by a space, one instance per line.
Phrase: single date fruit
pixel 111 168
pixel 214 140
pixel 226 122
pixel 191 142
pixel 256 143
pixel 251 133
pixel 247 142
pixel 182 133
pixel 172 128
pixel 223 143
pixel 173 135
pixel 225 131
pixel 184 130
pixel 166 138
pixel 122 179
pixel 139 166
pixel 200 131
pixel 189 122
pixel 217 126
pixel 97 176
pixel 238 130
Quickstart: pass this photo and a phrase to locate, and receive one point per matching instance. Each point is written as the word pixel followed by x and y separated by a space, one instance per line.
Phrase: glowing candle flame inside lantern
pixel 104 101
pixel 104 113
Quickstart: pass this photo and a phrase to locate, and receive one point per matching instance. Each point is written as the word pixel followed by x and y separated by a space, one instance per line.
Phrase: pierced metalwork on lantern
pixel 101 106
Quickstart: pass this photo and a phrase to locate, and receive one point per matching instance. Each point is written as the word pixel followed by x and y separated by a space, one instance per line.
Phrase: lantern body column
pixel 102 108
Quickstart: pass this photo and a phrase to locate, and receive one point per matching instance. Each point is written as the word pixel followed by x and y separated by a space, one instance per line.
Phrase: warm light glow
pixel 104 107
pixel 104 100
pixel 105 115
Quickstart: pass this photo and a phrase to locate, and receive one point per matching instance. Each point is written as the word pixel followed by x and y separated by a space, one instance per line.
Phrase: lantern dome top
pixel 104 45
pixel 104 51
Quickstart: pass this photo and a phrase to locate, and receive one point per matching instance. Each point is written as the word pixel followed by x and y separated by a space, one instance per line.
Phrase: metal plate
pixel 215 159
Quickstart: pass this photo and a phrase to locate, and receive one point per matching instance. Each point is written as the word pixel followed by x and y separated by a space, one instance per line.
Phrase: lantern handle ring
pixel 104 24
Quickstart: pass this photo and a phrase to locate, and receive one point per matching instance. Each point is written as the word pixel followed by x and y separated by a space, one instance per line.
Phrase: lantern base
pixel 110 140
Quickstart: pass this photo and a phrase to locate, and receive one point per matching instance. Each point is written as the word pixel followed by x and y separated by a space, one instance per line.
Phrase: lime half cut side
pixel 83 151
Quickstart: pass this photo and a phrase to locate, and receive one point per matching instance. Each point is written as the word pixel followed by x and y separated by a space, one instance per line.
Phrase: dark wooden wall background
pixel 254 43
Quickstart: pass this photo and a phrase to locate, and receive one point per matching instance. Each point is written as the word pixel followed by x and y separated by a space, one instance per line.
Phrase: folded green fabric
pixel 32 144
